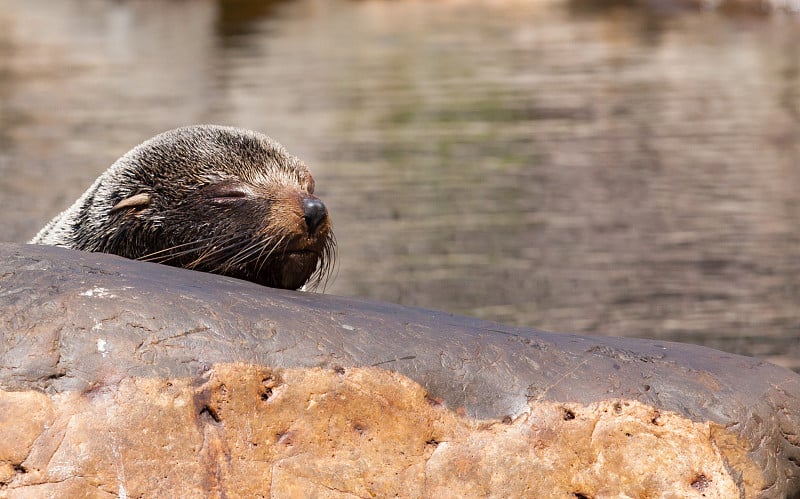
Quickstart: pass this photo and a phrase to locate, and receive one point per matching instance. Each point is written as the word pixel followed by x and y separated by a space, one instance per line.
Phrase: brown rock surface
pixel 248 430
pixel 128 379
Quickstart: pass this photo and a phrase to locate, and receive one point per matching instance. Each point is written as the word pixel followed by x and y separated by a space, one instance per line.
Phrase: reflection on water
pixel 620 171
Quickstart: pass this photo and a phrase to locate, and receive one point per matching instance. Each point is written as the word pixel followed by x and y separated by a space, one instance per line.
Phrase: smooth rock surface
pixel 123 378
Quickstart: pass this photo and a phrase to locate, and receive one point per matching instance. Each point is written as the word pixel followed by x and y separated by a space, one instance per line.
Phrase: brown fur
pixel 210 198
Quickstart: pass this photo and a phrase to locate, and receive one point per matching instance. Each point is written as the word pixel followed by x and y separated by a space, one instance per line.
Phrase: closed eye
pixel 227 192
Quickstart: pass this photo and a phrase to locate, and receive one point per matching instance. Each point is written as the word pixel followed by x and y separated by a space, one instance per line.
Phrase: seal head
pixel 210 198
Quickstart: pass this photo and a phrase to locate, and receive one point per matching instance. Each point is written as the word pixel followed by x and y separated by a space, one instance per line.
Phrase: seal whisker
pixel 325 267
pixel 324 271
pixel 236 255
pixel 166 253
pixel 207 244
pixel 243 258
pixel 248 251
pixel 216 252
pixel 328 269
pixel 262 259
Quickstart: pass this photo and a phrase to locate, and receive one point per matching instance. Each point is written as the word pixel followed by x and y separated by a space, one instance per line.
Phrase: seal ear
pixel 137 202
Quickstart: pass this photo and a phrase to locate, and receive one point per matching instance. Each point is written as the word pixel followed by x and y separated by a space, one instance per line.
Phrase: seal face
pixel 210 198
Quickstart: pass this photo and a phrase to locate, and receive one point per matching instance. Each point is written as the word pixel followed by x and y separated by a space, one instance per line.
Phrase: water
pixel 618 170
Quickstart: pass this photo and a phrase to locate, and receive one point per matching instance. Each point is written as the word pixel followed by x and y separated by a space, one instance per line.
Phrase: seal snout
pixel 314 213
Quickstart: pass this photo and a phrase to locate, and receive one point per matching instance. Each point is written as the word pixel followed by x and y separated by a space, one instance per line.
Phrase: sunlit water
pixel 616 171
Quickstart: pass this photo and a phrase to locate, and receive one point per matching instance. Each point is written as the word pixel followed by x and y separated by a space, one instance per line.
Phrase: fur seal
pixel 211 198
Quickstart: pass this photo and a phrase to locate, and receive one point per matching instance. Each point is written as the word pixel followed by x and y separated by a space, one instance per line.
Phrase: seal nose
pixel 314 213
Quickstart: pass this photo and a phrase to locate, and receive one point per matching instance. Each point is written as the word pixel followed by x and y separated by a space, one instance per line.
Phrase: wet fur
pixel 210 198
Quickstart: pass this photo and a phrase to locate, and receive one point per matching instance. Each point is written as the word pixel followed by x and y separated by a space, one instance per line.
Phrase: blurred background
pixel 624 168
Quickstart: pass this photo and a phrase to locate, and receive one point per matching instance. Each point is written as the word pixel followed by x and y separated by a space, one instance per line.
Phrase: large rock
pixel 122 378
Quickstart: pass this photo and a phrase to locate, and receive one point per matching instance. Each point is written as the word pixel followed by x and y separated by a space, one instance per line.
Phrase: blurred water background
pixel 607 167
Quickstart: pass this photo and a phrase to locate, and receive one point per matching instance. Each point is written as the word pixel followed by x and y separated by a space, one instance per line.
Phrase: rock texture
pixel 121 378
pixel 733 6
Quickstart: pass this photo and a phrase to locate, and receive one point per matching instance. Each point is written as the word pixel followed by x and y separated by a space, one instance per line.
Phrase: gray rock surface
pixel 74 322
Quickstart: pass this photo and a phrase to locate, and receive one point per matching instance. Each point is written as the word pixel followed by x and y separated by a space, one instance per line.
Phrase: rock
pixel 741 7
pixel 130 379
